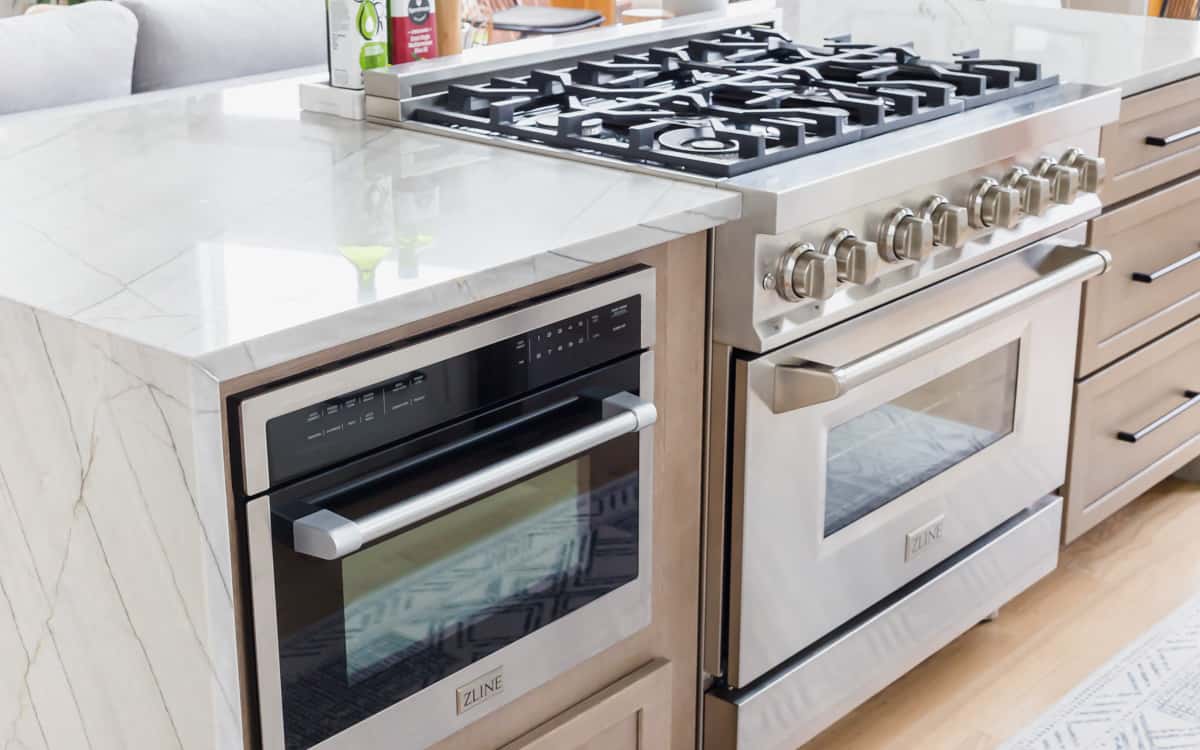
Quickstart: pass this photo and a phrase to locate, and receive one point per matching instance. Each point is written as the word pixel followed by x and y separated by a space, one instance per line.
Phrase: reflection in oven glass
pixel 433 600
pixel 878 456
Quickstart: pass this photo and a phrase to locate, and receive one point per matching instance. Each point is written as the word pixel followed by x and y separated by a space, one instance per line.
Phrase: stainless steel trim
pixel 796 193
pixel 792 705
pixel 801 385
pixel 715 519
pixel 432 714
pixel 330 536
pixel 414 79
pixel 266 624
pixel 256 411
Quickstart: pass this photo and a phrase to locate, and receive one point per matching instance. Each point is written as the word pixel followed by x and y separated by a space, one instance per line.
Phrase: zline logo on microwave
pixel 480 690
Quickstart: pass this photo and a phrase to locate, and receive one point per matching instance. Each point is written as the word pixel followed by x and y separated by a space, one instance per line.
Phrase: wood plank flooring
pixel 1111 586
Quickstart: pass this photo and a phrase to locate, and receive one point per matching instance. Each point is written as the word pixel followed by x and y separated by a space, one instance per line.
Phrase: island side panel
pixel 116 612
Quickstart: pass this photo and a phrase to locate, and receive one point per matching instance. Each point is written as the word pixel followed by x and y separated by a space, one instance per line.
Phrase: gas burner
pixel 701 140
pixel 590 126
pixel 729 102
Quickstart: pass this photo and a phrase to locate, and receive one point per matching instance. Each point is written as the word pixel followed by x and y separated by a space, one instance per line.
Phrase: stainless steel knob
pixel 1064 181
pixel 1034 190
pixel 1091 169
pixel 905 236
pixel 805 273
pixel 991 204
pixel 858 261
pixel 950 227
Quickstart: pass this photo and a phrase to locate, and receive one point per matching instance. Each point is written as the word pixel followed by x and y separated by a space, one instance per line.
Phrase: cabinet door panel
pixel 634 713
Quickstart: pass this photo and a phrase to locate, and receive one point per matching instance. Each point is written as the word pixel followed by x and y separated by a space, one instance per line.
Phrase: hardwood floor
pixel 1111 586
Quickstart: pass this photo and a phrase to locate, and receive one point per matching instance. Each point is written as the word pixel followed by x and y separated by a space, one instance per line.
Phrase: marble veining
pixel 117 625
pixel 1135 53
pixel 226 226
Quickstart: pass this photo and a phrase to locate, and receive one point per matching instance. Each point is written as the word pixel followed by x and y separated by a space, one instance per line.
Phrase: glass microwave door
pixel 878 456
pixel 362 633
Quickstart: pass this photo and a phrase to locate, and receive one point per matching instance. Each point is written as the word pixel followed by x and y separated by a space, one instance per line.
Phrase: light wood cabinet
pixel 633 713
pixel 1135 423
pixel 1156 139
pixel 1154 283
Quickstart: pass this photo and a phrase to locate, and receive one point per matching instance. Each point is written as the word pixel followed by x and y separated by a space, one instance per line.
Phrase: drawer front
pixel 1154 284
pixel 1135 423
pixel 1157 139
pixel 634 713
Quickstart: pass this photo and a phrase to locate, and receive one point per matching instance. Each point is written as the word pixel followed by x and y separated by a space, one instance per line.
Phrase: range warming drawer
pixel 791 705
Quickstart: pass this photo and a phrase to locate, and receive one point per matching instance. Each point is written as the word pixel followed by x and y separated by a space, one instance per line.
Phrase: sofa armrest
pixel 77 54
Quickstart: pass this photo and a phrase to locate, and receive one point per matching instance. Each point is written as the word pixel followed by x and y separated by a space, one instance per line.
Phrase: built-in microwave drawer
pixel 1156 140
pixel 1154 284
pixel 1135 423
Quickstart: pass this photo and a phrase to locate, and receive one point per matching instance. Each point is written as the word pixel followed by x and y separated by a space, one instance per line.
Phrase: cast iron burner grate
pixel 729 103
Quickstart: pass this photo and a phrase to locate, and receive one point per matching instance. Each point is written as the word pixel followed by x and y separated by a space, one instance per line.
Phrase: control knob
pixel 803 272
pixel 1091 169
pixel 950 227
pixel 905 236
pixel 857 260
pixel 993 205
pixel 1064 180
pixel 1034 190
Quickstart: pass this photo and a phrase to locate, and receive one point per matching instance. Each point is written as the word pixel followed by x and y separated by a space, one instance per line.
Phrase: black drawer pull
pixel 1162 141
pixel 1146 278
pixel 1193 399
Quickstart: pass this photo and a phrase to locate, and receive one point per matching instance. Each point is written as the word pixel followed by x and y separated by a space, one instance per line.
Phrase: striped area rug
pixel 1147 698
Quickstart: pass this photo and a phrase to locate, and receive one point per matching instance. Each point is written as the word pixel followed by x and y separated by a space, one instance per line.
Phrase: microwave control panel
pixel 325 433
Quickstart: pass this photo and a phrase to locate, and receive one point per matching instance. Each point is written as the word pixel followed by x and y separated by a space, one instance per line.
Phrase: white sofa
pixel 104 49
pixel 69 56
pixel 181 42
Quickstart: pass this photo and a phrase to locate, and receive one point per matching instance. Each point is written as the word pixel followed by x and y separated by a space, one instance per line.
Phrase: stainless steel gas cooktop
pixel 727 102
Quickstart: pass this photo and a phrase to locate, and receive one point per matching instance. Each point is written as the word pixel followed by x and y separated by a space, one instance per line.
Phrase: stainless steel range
pixel 893 329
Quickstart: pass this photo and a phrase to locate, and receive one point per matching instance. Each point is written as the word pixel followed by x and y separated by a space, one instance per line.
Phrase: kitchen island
pixel 161 255
pixel 157 255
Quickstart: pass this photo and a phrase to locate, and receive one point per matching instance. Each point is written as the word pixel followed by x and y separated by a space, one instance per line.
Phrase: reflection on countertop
pixel 229 227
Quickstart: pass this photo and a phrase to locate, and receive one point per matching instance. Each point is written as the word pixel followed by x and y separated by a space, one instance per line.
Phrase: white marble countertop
pixel 224 225
pixel 1106 49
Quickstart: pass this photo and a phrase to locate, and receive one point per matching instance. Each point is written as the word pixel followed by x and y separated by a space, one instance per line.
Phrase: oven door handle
pixel 809 383
pixel 330 536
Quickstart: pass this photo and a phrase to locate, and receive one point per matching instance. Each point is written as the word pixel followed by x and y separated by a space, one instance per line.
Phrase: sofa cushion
pixel 193 41
pixel 71 55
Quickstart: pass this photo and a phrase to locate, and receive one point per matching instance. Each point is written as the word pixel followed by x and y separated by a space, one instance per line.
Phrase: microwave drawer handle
pixel 809 383
pixel 1193 399
pixel 329 536
pixel 1163 141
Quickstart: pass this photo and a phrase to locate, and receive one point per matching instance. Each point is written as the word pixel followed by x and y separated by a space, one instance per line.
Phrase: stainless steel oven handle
pixel 330 536
pixel 810 383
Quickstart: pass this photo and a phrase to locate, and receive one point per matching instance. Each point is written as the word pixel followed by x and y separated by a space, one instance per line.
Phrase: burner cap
pixel 590 126
pixel 697 141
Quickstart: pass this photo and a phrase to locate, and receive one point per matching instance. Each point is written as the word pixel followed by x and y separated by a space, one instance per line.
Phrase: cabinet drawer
pixel 634 713
pixel 1156 139
pixel 1154 284
pixel 1149 397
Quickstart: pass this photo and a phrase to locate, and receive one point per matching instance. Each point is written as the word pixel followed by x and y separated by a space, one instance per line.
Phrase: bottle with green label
pixel 358 39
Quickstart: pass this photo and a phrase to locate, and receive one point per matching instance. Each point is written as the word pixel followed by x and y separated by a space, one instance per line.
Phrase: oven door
pixel 406 595
pixel 868 453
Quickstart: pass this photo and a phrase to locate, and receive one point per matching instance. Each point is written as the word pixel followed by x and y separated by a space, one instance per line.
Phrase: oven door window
pixel 878 456
pixel 362 633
